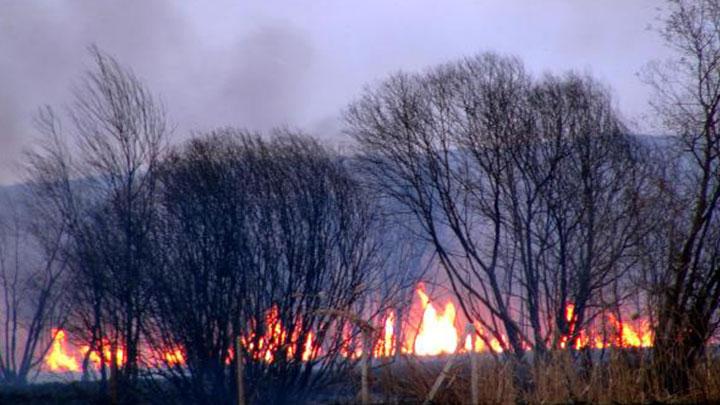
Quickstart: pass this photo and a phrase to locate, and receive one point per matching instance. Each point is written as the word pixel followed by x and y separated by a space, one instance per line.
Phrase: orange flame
pixel 385 346
pixel 96 359
pixel 174 357
pixel 58 358
pixel 627 335
pixel 436 334
pixel 630 336
pixel 275 339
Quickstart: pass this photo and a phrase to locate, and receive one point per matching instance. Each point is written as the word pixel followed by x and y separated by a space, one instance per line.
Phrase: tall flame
pixel 385 346
pixel 436 333
pixel 58 358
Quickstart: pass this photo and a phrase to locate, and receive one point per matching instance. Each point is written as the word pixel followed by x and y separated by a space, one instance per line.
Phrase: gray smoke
pixel 255 82
pixel 259 64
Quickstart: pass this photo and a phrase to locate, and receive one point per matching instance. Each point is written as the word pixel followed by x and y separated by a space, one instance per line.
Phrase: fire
pixel 479 345
pixel 581 340
pixel 174 357
pixel 437 333
pixel 107 356
pixel 275 339
pixel 308 348
pixel 626 335
pixel 58 358
pixel 270 342
pixel 385 346
pixel 496 346
pixel 63 357
pixel 632 337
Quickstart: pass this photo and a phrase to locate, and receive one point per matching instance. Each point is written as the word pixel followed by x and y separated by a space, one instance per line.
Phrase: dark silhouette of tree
pixel 525 189
pixel 265 240
pixel 103 185
pixel 31 288
pixel 687 289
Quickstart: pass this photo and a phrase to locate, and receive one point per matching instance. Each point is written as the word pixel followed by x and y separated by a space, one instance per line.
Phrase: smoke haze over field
pixel 260 64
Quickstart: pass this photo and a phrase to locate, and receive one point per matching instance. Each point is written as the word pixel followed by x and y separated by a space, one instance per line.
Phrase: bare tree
pixel 270 242
pixel 493 166
pixel 688 101
pixel 31 287
pixel 103 184
pixel 583 178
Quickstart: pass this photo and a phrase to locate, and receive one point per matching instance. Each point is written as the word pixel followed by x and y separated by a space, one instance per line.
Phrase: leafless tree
pixel 267 241
pixel 519 186
pixel 103 185
pixel 688 101
pixel 31 287
pixel 582 180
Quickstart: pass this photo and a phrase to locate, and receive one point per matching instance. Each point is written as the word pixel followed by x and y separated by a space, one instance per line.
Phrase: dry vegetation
pixel 611 377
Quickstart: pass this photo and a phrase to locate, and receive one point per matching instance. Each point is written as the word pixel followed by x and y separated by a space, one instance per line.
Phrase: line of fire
pixel 432 329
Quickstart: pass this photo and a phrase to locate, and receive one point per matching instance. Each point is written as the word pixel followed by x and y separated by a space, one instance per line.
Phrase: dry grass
pixel 609 377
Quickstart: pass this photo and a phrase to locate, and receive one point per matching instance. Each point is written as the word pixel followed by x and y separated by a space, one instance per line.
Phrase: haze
pixel 259 64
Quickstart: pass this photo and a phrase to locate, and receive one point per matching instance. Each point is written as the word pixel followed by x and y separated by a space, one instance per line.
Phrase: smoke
pixel 254 77
pixel 263 64
pixel 267 77
pixel 44 51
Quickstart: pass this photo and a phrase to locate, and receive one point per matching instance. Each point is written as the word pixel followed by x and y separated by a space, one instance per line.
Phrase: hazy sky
pixel 264 63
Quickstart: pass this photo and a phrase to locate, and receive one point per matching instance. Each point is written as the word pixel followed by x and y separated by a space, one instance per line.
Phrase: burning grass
pixel 608 361
pixel 433 330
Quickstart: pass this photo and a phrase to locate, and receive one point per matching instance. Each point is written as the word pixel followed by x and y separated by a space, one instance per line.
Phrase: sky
pixel 268 63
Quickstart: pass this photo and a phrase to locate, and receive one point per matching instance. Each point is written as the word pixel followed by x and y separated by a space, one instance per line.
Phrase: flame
pixel 107 356
pixel 436 334
pixel 174 357
pixel 62 357
pixel 479 344
pixel 581 339
pixel 627 335
pixel 385 346
pixel 498 347
pixel 308 348
pixel 58 358
pixel 275 339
